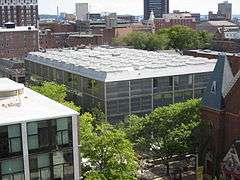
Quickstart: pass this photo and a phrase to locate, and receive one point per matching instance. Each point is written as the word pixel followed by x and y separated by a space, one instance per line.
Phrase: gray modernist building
pixel 122 81
pixel 159 7
pixel 39 137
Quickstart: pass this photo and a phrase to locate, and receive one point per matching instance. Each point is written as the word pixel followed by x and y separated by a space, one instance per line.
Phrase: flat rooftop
pixel 117 64
pixel 212 52
pixel 28 105
pixel 18 29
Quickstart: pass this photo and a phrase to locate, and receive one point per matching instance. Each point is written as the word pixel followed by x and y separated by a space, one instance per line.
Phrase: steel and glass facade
pixel 39 150
pixel 11 153
pixel 118 99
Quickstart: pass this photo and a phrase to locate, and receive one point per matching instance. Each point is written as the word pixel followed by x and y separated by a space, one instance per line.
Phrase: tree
pixel 177 37
pixel 108 150
pixel 98 116
pixel 55 92
pixel 138 40
pixel 167 131
pixel 157 42
pixel 183 37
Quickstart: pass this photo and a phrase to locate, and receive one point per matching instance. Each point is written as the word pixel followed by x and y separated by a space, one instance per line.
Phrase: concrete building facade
pixel 122 81
pixel 82 11
pixel 225 8
pixel 20 12
pixel 39 137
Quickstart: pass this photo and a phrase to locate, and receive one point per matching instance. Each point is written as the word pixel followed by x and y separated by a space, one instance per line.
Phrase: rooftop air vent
pixel 10 25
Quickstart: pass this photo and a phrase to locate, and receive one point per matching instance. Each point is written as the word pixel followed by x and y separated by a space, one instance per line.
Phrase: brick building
pixel 50 40
pixel 85 39
pixel 58 27
pixel 16 42
pixel 21 12
pixel 227 39
pixel 110 33
pixel 234 59
pixel 165 23
pixel 212 26
pixel 221 110
pixel 175 18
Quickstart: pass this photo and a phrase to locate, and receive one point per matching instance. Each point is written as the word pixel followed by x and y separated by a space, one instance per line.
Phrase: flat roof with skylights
pixel 109 64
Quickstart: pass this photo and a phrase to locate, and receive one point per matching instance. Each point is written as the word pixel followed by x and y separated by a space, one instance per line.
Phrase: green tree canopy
pixel 167 131
pixel 108 150
pixel 177 37
pixel 56 92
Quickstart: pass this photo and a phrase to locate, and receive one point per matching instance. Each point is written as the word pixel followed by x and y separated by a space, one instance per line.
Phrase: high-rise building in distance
pixel 159 7
pixel 21 12
pixel 225 9
pixel 82 11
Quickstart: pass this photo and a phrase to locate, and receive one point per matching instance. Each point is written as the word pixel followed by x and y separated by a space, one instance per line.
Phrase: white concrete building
pixel 82 11
pixel 231 33
pixel 39 137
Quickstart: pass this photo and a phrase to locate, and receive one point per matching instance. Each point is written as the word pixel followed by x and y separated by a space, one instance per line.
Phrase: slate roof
pixel 219 85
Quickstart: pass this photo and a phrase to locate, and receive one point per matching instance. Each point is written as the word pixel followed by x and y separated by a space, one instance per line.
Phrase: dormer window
pixel 214 87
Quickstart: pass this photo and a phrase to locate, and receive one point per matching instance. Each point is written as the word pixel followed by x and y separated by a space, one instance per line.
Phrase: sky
pixel 134 7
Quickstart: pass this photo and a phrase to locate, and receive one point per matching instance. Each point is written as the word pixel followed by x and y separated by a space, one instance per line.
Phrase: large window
pixel 117 89
pixel 93 88
pixel 12 169
pixel 38 135
pixel 182 96
pixel 10 138
pixel 141 87
pixel 202 80
pixel 141 104
pixel 118 107
pixel 48 134
pixel 14 138
pixel 162 84
pixel 63 165
pixel 63 133
pixel 52 165
pixel 40 167
pixel 162 99
pixel 183 82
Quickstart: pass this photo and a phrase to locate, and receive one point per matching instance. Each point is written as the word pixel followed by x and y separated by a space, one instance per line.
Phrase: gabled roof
pixel 219 84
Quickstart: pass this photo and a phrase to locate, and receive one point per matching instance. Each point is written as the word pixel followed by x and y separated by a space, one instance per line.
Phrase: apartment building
pixel 20 12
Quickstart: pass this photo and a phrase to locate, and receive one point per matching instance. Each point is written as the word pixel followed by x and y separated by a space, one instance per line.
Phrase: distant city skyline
pixel 134 7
